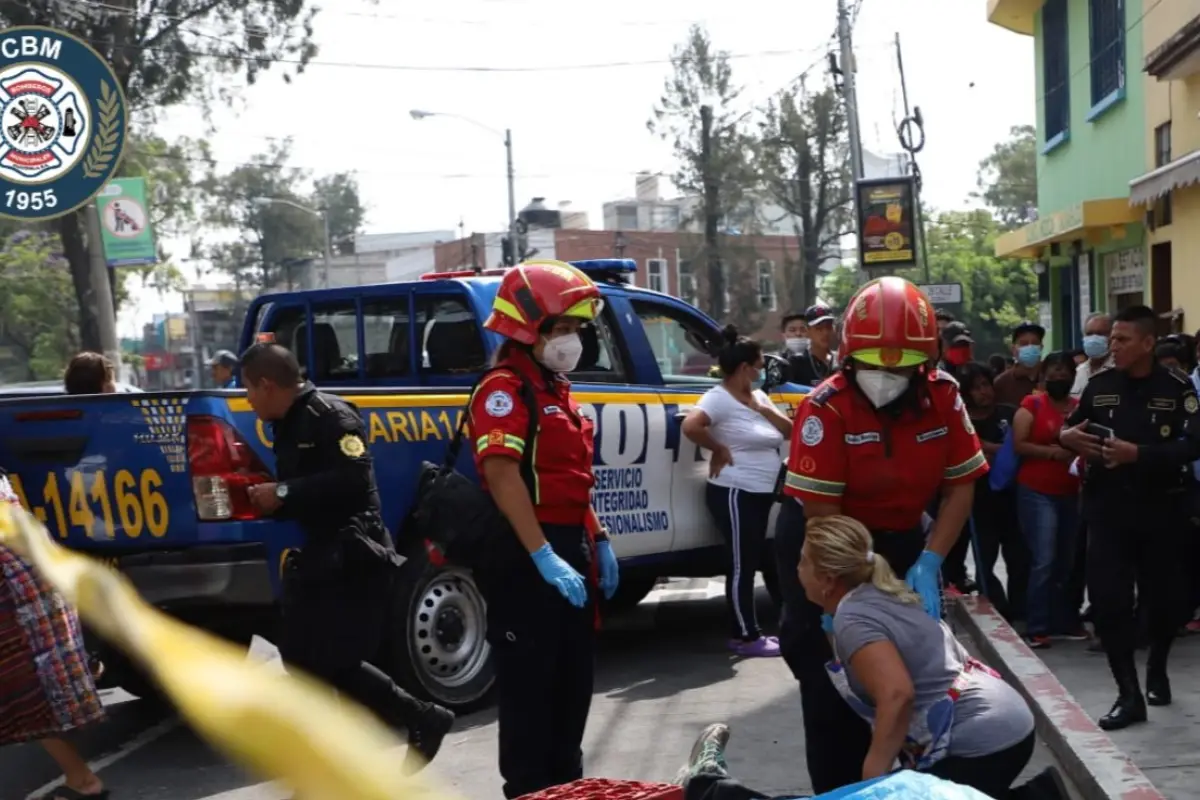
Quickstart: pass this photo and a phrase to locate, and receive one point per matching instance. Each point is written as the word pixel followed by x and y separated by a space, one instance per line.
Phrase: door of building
pixel 1160 286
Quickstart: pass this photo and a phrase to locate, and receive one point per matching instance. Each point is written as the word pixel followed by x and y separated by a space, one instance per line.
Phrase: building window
pixel 627 218
pixel 687 282
pixel 1162 145
pixel 1107 19
pixel 656 274
pixel 1056 83
pixel 766 285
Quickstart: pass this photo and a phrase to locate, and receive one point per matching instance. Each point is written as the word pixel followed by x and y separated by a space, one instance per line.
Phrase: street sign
pixel 125 223
pixel 943 294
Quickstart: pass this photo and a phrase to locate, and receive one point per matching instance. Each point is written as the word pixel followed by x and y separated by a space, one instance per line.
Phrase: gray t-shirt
pixel 989 715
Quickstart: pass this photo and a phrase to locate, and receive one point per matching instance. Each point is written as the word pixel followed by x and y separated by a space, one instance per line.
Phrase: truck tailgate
pixel 103 472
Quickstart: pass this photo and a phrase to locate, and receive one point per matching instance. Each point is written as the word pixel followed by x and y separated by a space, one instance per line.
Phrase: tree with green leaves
pixel 997 293
pixel 163 54
pixel 698 115
pixel 268 209
pixel 1007 178
pixel 803 156
pixel 38 334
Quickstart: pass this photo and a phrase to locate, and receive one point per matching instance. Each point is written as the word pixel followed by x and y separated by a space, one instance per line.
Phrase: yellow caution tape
pixel 283 727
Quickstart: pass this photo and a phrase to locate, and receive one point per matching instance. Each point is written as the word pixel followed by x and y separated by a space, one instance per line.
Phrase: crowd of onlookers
pixel 1031 519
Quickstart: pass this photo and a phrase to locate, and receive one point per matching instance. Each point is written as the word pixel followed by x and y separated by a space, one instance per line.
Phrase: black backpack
pixel 452 514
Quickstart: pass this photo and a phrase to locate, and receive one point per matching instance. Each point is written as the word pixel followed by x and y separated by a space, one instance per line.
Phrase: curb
pixel 1091 760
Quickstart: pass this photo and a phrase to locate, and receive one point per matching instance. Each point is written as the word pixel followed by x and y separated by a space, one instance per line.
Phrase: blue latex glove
pixel 560 575
pixel 827 623
pixel 923 578
pixel 610 573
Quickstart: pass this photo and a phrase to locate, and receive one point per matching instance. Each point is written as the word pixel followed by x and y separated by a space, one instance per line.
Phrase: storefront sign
pixel 886 222
pixel 1056 224
pixel 1126 271
pixel 125 232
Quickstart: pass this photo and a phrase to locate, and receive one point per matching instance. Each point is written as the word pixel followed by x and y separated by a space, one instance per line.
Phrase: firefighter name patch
pixel 812 432
pixel 351 446
pixel 498 404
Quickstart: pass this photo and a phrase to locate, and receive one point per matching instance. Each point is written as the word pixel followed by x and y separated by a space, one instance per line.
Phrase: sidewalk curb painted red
pixel 1091 760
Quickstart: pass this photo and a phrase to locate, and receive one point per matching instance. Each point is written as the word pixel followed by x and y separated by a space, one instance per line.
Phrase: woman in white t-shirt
pixel 745 433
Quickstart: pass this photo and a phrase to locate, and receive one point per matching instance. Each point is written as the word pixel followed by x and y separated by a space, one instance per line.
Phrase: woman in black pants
pixel 744 431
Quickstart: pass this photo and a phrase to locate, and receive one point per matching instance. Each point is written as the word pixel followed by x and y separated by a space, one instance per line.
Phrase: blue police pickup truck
pixel 154 483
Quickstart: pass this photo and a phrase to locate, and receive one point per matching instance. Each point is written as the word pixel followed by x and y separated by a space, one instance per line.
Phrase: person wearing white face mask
pixel 877 441
pixel 533 452
pixel 1096 331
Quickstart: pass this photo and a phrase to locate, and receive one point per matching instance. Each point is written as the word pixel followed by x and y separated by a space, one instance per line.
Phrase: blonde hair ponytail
pixel 841 546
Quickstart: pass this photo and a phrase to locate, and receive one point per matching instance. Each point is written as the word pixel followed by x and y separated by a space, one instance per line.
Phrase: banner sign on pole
pixel 943 294
pixel 125 223
pixel 886 222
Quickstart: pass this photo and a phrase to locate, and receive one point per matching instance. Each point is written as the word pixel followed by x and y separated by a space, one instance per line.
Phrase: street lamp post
pixel 323 213
pixel 513 234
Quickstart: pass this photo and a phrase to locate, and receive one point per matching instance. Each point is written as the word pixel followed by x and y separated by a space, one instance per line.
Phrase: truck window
pixel 679 344
pixel 334 343
pixel 385 337
pixel 451 341
pixel 284 324
pixel 601 358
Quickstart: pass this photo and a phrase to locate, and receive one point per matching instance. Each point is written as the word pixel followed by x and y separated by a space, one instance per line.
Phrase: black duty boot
pixel 1158 685
pixel 425 735
pixel 1130 707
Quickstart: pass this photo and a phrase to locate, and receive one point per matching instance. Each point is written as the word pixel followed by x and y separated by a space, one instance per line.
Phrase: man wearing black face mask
pixel 1137 427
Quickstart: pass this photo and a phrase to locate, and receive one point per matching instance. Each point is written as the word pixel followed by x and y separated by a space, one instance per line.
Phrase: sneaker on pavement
pixel 762 647
pixel 1037 642
pixel 708 754
pixel 425 737
pixel 1080 634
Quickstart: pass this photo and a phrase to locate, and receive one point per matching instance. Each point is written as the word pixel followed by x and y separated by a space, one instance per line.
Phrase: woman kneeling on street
pixel 931 706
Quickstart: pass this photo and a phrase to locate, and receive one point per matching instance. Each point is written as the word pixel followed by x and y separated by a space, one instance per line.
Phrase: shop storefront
pixel 1124 274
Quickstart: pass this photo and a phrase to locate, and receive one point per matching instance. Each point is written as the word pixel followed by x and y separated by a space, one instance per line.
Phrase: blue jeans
pixel 1049 524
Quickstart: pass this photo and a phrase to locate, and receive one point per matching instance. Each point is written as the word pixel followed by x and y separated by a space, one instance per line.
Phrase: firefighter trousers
pixel 545 663
pixel 836 739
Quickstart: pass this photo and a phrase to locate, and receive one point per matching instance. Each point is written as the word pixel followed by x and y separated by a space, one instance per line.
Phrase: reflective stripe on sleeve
pixel 514 443
pixel 803 483
pixel 965 468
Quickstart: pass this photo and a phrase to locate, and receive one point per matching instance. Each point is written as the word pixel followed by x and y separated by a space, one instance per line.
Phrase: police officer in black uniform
pixel 1137 426
pixel 815 364
pixel 337 588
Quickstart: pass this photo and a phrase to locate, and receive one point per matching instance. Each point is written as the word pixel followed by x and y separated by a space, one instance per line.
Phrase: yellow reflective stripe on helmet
pixel 514 443
pixel 965 468
pixel 874 356
pixel 507 309
pixel 282 727
pixel 803 483
pixel 587 309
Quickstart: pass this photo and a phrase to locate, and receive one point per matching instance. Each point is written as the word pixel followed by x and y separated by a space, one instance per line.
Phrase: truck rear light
pixel 223 466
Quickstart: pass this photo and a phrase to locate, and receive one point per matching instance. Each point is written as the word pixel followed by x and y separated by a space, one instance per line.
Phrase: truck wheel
pixel 630 591
pixel 440 650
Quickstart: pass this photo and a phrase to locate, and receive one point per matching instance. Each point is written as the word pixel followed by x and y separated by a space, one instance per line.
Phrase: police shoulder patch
pixel 498 404
pixel 351 446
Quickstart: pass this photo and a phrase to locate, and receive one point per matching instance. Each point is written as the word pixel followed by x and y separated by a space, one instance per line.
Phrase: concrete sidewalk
pixel 1100 766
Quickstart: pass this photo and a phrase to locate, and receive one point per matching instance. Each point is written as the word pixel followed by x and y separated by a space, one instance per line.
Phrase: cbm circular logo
pixel 63 120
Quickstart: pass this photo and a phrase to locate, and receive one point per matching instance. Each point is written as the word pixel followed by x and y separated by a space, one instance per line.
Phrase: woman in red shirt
pixel 1048 502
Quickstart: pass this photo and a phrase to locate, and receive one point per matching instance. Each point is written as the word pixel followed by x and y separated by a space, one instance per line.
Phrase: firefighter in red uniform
pixel 541 607
pixel 876 441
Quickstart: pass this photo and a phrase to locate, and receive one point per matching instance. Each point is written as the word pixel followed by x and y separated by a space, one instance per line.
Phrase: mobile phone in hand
pixel 1103 431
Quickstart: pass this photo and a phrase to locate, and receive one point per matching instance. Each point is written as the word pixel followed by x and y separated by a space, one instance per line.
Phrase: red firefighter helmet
pixel 889 323
pixel 535 292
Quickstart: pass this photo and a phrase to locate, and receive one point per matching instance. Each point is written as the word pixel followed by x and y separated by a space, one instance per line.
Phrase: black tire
pixel 630 591
pixel 439 648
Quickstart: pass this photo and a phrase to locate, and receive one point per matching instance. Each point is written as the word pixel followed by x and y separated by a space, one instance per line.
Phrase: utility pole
pixel 106 317
pixel 513 233
pixel 716 279
pixel 848 68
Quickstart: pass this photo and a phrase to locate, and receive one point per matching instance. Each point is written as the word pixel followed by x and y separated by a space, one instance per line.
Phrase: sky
pixel 579 128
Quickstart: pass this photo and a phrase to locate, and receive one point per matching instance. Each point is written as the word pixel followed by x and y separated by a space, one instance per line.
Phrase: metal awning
pixel 1183 171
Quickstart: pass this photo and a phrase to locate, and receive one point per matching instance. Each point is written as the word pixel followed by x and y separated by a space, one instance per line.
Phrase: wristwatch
pixel 281 491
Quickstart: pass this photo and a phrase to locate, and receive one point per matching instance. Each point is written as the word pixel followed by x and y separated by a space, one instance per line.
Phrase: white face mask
pixel 797 345
pixel 561 354
pixel 879 386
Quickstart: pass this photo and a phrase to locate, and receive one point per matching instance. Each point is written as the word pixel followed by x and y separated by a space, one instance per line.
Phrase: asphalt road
pixel 663 675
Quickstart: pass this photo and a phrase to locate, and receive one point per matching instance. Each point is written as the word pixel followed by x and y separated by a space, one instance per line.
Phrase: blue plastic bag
pixel 904 785
pixel 1004 465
